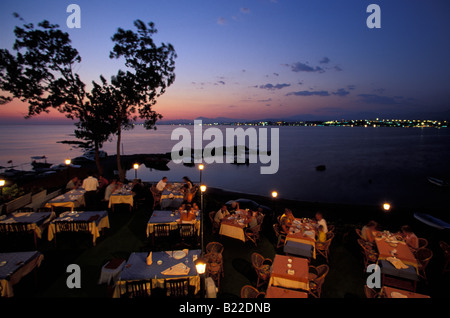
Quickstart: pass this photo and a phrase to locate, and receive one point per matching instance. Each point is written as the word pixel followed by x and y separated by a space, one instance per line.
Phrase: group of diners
pixel 369 230
pixel 287 218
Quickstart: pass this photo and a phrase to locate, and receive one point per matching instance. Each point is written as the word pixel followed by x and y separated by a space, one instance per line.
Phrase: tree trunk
pixel 97 159
pixel 119 165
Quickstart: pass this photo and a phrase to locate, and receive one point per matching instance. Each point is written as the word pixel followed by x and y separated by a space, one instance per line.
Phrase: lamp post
pixel 202 190
pixel 201 167
pixel 200 266
pixel 135 167
pixel 274 196
pixel 67 162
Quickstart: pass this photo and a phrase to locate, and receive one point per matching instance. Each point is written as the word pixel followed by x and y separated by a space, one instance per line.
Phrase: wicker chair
pixel 423 256
pixel 324 248
pixel 214 247
pixel 281 237
pixel 331 228
pixel 423 243
pixel 262 268
pixel 215 225
pixel 358 231
pixel 370 292
pixel 160 232
pixel 317 277
pixel 369 254
pixel 252 234
pixel 251 292
pixel 214 267
pixel 446 250
pixel 156 196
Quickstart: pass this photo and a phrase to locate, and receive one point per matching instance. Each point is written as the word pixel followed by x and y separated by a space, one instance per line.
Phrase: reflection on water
pixel 363 165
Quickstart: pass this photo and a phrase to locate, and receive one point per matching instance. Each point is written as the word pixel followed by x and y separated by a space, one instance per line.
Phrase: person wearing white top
pixel 90 184
pixel 223 212
pixel 161 184
pixel 321 221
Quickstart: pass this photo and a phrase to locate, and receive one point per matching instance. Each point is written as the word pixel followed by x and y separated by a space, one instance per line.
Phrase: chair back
pixel 72 226
pixel 177 287
pixel 423 242
pixel 214 247
pixel 187 230
pixel 257 260
pixel 424 256
pixel 248 291
pixel 138 289
pixel 161 230
pixel 358 231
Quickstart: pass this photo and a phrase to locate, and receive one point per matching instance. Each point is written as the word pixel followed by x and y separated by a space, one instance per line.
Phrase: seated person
pixel 222 213
pixel 286 220
pixel 195 207
pixel 321 221
pixel 73 183
pixel 188 215
pixel 253 220
pixel 367 231
pixel 321 235
pixel 410 238
pixel 162 184
pixel 110 188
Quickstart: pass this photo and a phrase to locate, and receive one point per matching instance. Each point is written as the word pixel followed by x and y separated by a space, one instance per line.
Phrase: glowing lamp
pixel 2 183
pixel 68 162
pixel 201 167
pixel 386 206
pixel 136 166
pixel 200 266
pixel 274 194
pixel 203 188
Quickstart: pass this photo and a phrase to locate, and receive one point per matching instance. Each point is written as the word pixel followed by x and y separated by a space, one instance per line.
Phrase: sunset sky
pixel 269 58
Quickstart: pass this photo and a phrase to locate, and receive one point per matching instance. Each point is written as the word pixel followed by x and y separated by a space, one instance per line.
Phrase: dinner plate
pixel 2 263
pixel 179 254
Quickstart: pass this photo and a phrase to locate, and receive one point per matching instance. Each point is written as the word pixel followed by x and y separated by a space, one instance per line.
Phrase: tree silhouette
pixel 42 75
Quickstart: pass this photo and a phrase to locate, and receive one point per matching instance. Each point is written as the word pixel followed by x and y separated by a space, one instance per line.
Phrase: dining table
pixel 395 258
pixel 163 265
pixel 34 221
pixel 72 199
pixel 302 235
pixel 123 195
pixel 391 292
pixel 170 217
pixel 172 196
pixel 233 225
pixel 14 266
pixel 279 292
pixel 98 220
pixel 290 272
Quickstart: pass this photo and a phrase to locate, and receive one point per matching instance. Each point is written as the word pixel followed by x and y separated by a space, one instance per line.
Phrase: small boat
pixel 38 165
pixel 438 182
pixel 90 155
pixel 431 221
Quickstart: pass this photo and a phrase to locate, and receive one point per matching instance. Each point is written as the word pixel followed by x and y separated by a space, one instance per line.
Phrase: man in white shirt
pixel 321 221
pixel 90 184
pixel 162 184
pixel 223 212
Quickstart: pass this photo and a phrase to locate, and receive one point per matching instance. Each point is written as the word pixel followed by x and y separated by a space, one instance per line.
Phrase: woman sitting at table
pixel 410 238
pixel 253 220
pixel 368 230
pixel 286 220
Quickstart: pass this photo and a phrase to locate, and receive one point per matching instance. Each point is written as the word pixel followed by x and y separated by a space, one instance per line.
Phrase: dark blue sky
pixel 271 59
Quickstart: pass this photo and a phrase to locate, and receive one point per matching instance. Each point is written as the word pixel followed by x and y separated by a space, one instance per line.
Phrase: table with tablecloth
pixel 14 266
pixel 35 222
pixel 171 218
pixel 290 272
pixel 233 226
pixel 98 220
pixel 71 199
pixel 137 269
pixel 302 232
pixel 121 196
pixel 278 292
pixel 172 196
